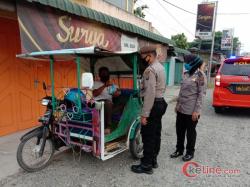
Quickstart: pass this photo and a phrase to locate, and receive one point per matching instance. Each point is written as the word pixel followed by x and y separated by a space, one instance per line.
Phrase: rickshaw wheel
pixel 136 145
pixel 35 162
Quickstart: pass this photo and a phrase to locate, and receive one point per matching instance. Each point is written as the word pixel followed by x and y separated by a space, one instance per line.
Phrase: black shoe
pixel 155 164
pixel 141 169
pixel 188 157
pixel 176 154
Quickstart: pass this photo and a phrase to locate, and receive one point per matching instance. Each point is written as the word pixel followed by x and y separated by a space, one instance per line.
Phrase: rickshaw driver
pixel 103 92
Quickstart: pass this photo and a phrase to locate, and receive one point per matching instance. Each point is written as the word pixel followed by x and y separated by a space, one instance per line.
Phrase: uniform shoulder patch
pixel 152 69
pixel 146 73
pixel 200 74
pixel 201 78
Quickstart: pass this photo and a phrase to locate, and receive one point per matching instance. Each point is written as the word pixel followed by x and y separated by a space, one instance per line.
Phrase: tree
pixel 180 40
pixel 138 11
pixel 236 43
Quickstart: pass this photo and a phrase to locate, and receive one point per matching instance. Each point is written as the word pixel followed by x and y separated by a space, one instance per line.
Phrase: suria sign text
pixel 70 33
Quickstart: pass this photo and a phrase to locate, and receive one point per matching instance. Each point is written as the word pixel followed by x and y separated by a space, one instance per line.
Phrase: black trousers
pixel 151 133
pixel 185 126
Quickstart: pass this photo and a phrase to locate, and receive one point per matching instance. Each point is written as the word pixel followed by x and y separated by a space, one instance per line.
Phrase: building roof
pixel 83 11
pixel 181 51
pixel 176 51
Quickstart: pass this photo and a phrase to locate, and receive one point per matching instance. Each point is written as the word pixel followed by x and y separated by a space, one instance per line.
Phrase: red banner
pixel 44 28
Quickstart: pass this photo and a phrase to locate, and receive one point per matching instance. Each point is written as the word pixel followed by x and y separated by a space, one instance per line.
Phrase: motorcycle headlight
pixel 45 102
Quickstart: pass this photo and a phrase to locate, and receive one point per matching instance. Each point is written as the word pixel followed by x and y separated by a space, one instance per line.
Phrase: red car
pixel 232 84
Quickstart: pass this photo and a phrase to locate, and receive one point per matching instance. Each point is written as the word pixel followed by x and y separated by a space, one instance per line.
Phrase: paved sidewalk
pixel 9 143
pixel 172 93
pixel 8 148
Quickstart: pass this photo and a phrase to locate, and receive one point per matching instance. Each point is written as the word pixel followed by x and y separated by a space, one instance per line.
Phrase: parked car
pixel 232 84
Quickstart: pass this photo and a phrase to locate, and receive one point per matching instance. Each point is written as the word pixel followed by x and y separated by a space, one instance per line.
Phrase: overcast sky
pixel 168 21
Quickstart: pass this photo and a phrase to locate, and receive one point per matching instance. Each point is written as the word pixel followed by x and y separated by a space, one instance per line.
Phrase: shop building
pixel 41 25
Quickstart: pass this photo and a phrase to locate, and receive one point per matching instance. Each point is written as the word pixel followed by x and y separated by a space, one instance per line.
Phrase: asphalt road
pixel 223 142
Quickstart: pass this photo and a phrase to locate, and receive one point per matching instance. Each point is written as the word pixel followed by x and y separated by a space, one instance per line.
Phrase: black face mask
pixel 144 60
pixel 104 78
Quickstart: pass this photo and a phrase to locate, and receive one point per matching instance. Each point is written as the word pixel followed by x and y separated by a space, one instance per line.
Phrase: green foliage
pixel 236 43
pixel 138 11
pixel 180 40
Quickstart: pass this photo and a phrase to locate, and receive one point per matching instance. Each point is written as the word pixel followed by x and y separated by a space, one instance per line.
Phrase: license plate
pixel 242 88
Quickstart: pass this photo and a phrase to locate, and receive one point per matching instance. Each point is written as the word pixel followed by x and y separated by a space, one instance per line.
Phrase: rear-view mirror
pixel 44 86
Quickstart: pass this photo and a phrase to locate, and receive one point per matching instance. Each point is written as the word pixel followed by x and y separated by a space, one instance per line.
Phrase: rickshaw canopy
pixel 72 54
pixel 75 55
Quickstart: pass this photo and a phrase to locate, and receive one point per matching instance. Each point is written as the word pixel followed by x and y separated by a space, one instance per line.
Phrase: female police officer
pixel 189 105
pixel 154 106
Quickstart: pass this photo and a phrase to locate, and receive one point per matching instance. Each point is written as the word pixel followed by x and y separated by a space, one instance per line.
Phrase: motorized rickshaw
pixel 75 119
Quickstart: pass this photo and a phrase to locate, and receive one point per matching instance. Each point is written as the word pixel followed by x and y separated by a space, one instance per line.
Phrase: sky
pixel 169 20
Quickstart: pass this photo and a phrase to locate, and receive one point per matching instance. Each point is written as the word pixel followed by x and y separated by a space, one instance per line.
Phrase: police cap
pixel 147 49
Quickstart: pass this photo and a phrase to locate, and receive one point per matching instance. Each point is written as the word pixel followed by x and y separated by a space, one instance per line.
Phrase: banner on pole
pixel 227 39
pixel 205 19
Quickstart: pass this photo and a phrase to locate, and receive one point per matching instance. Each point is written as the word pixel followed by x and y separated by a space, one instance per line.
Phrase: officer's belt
pixel 156 99
pixel 159 99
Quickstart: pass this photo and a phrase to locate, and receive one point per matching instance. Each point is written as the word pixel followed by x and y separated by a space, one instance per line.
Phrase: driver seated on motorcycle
pixel 104 90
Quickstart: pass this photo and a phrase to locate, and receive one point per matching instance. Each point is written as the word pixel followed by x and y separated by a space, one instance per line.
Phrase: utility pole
pixel 212 46
pixel 232 45
pixel 127 5
pixel 199 48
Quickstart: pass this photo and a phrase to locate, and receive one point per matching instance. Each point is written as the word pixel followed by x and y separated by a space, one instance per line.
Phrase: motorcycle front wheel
pixel 28 156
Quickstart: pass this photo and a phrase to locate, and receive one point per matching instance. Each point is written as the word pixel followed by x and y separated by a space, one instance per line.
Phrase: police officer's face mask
pixel 145 60
pixel 187 67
